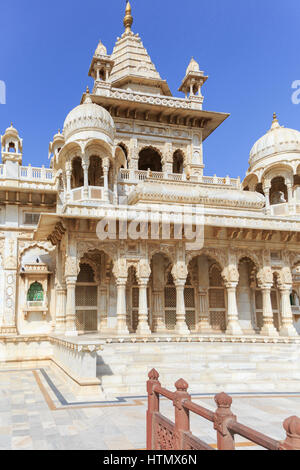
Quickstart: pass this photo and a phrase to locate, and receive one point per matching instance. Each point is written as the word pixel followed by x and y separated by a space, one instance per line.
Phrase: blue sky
pixel 249 49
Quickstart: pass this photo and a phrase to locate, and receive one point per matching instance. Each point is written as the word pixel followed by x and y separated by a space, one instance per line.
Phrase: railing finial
pixel 181 385
pixel 223 400
pixel 292 429
pixel 153 375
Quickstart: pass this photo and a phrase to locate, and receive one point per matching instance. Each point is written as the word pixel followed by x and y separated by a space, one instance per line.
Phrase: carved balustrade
pixel 163 434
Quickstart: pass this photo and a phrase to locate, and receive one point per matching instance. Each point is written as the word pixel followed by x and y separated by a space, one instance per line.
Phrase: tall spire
pixel 128 19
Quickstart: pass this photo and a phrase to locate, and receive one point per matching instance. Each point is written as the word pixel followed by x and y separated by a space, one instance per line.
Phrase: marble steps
pixel 208 369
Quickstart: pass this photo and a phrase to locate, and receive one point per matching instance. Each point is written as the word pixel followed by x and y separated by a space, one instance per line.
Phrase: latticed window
pixel 217 305
pixel 86 299
pixel 35 293
pixel 215 277
pixel 170 303
pixel 86 273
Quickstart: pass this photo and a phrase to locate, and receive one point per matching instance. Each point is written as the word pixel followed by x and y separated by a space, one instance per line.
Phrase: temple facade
pixel 124 236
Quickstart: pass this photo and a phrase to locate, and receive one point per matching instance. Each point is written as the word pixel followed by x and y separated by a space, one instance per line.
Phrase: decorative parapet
pixel 76 346
pixel 135 176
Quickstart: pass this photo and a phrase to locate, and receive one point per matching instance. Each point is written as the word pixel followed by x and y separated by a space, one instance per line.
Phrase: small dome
pixel 101 49
pixel 12 131
pixel 89 120
pixel 58 137
pixel 277 140
pixel 193 66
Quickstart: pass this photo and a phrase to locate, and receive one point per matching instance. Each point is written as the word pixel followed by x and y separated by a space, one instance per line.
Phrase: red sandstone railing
pixel 163 434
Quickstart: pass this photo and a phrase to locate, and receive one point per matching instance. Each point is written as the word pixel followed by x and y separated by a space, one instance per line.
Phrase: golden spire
pixel 87 90
pixel 275 123
pixel 128 20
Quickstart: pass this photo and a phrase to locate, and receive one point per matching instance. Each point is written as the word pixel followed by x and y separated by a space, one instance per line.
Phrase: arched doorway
pixel 278 191
pixel 96 172
pixel 178 162
pixel 77 173
pixel 150 159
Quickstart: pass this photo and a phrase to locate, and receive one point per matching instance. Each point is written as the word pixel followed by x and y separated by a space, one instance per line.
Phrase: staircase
pixel 208 367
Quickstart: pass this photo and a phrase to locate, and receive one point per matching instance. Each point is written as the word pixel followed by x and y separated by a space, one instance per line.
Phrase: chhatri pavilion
pixel 87 283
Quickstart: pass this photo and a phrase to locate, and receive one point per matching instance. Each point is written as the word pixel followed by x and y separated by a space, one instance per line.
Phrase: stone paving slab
pixel 38 411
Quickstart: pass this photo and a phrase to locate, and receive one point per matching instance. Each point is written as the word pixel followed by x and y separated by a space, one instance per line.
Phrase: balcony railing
pixel 135 176
pixel 90 194
pixel 34 174
pixel 30 173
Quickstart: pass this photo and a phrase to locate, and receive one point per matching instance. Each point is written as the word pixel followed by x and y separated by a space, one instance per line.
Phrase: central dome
pixel 278 140
pixel 89 121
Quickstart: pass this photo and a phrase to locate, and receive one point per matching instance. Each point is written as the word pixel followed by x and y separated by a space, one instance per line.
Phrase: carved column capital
pixel 265 276
pixel 179 272
pixel 120 270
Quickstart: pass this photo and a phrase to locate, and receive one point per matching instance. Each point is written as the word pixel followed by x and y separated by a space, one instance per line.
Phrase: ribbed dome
pixel 12 131
pixel 89 120
pixel 277 140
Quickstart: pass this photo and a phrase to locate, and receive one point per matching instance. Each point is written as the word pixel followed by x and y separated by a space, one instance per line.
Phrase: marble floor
pixel 38 411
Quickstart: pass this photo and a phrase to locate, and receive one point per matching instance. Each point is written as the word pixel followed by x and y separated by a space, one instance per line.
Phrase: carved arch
pixel 46 246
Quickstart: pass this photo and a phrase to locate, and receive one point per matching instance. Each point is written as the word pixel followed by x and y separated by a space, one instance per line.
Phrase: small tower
pixel 12 146
pixel 193 81
pixel 101 65
pixel 56 145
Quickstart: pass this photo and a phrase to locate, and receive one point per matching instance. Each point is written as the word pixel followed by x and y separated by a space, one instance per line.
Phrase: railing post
pixel 153 406
pixel 292 429
pixel 182 416
pixel 222 417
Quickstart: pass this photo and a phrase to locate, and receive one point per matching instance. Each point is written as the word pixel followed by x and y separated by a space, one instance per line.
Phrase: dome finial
pixel 128 19
pixel 87 98
pixel 275 122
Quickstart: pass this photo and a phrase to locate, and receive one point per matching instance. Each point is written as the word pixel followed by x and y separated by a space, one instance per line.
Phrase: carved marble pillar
pixel 266 190
pixel 105 174
pixel 231 278
pixel 71 273
pixel 179 273
pixel 121 273
pixel 287 324
pixel 143 274
pixel 102 308
pixel 85 167
pixel 9 325
pixel 68 176
pixel 285 282
pixel 60 318
pixel 71 307
pixel 268 328
pixel 291 201
pixel 233 325
pixel 143 325
pixel 122 328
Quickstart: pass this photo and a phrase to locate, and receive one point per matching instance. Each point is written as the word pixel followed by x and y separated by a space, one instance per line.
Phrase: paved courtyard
pixel 38 411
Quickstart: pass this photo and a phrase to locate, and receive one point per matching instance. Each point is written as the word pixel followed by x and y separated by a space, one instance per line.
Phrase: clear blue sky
pixel 249 49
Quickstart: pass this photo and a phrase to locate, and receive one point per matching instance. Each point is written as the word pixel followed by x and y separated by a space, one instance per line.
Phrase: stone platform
pixel 116 365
